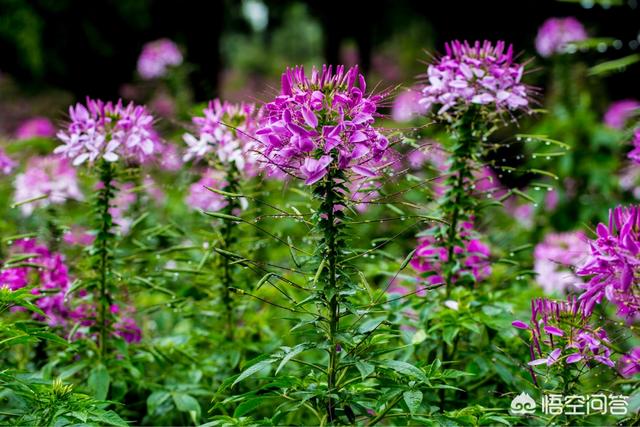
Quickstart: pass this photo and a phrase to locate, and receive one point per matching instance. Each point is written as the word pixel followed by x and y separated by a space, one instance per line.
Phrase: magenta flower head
pixel 226 131
pixel 629 364
pixel 36 127
pixel 320 122
pixel 613 263
pixel 6 163
pixel 560 331
pixel 620 112
pixel 554 259
pixel 52 177
pixel 200 197
pixel 156 58
pixel 431 256
pixel 634 154
pixel 556 33
pixel 478 74
pixel 108 131
pixel 49 275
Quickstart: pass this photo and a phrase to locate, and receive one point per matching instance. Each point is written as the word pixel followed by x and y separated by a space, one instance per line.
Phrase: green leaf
pixel 99 382
pixel 156 399
pixel 413 399
pixel 291 354
pixel 109 418
pixel 186 403
pixel 405 368
pixel 253 369
pixel 419 337
pixel 365 368
pixel 249 405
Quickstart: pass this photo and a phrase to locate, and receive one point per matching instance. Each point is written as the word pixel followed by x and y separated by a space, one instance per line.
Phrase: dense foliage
pixel 339 253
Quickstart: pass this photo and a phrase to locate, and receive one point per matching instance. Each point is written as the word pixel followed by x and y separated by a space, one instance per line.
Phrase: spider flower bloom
pixel 156 58
pixel 50 176
pixel 629 364
pixel 52 278
pixel 108 131
pixel 634 154
pixel 560 332
pixel 556 33
pixel 227 130
pixel 406 106
pixel 200 197
pixel 431 256
pixel 554 258
pixel 480 74
pixel 613 263
pixel 36 127
pixel 6 163
pixel 322 122
pixel 620 112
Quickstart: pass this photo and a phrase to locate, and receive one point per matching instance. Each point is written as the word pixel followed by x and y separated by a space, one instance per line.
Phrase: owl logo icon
pixel 523 404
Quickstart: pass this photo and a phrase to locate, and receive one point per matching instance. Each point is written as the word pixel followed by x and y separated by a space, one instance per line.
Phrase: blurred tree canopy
pixel 92 47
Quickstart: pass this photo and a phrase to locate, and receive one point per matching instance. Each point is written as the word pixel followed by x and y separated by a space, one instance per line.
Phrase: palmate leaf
pixel 291 353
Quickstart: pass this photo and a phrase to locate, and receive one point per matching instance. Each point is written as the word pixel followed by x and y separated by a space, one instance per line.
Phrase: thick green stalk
pixel 228 239
pixel 330 229
pixel 458 205
pixel 103 250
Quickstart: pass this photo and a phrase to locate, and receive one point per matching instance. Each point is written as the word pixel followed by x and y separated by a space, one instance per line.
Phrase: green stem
pixel 331 230
pixel 227 243
pixel 103 250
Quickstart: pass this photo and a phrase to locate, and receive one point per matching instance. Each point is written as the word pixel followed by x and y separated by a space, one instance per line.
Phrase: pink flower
pixel 128 329
pixel 156 58
pixel 406 106
pixel 431 255
pixel 314 170
pixel 78 236
pixel 613 263
pixel 52 177
pixel 227 131
pixel 634 154
pixel 556 33
pixel 108 131
pixel 201 198
pixel 629 364
pixel 6 164
pixel 321 120
pixel 555 257
pixel 36 127
pixel 620 112
pixel 479 74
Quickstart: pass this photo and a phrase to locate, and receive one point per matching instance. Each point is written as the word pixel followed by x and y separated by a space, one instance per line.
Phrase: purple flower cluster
pixel 108 131
pixel 407 106
pixel 36 127
pixel 634 154
pixel 228 131
pixel 613 263
pixel 156 58
pixel 51 275
pixel 554 258
pixel 6 163
pixel 629 364
pixel 620 112
pixel 201 198
pixel 431 255
pixel 556 33
pixel 322 121
pixel 475 74
pixel 50 176
pixel 560 331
